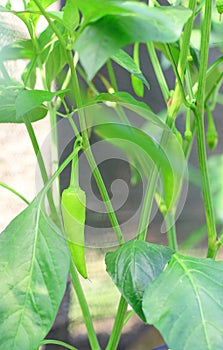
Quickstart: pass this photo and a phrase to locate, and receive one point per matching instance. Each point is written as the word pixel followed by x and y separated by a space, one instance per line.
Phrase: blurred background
pixel 18 169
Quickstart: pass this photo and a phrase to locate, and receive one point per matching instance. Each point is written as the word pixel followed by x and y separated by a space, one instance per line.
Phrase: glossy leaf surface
pixel 185 303
pixel 34 263
pixel 117 24
pixel 9 94
pixel 28 100
pixel 126 61
pixel 134 266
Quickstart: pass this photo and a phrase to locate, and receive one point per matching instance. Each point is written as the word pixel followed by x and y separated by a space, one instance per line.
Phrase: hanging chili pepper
pixel 211 135
pixel 73 206
pixel 219 5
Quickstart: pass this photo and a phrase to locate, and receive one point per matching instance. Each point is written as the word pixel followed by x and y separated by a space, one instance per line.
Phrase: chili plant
pixel 181 295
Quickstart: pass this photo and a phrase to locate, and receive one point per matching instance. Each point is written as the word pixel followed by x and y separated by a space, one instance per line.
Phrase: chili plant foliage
pixel 180 295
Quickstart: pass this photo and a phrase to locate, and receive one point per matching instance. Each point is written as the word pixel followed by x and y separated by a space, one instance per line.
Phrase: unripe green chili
pixel 73 206
pixel 219 5
pixel 211 135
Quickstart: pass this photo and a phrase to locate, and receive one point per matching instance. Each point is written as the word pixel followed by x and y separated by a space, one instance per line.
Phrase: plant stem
pixel 74 176
pixel 199 118
pixel 57 342
pixel 171 233
pixel 41 164
pixel 185 44
pixel 118 325
pixel 84 307
pixel 147 204
pixel 15 192
pixel 54 203
pixel 158 71
pixel 112 75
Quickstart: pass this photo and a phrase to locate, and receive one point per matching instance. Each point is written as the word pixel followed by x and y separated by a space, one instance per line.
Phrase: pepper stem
pixel 74 176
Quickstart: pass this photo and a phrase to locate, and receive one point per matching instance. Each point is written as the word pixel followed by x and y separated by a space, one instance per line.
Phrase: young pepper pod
pixel 219 5
pixel 73 206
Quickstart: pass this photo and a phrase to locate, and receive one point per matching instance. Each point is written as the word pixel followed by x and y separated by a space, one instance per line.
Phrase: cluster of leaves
pixel 181 296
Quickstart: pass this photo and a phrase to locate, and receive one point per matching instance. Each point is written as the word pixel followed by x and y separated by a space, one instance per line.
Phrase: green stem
pixel 128 316
pixel 209 211
pixel 36 149
pixel 54 201
pixel 171 232
pixel 59 171
pixel 74 177
pixel 57 342
pixel 199 118
pixel 185 45
pixel 84 307
pixel 89 83
pixel 14 191
pixel 179 80
pixel 118 325
pixel 112 75
pixel 158 71
pixel 147 205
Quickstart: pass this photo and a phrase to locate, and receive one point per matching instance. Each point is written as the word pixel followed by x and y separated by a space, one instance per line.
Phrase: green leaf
pixel 185 303
pixel 214 77
pixel 134 266
pixel 126 100
pixel 128 137
pixel 126 61
pixel 28 100
pixel 47 36
pixel 20 49
pixel 122 23
pixel 8 94
pixel 71 16
pixel 29 74
pixel 215 169
pixel 34 264
pixel 55 62
pixel 168 156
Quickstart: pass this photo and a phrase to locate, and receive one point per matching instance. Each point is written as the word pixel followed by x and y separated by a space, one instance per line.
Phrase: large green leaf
pixel 120 23
pixel 127 62
pixel 185 303
pixel 34 263
pixel 134 266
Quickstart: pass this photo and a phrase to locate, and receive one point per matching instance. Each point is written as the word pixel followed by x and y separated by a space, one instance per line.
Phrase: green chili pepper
pixel 219 5
pixel 73 206
pixel 211 135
